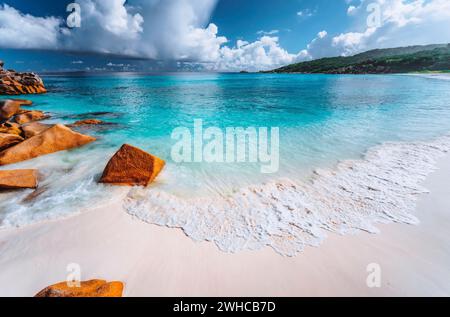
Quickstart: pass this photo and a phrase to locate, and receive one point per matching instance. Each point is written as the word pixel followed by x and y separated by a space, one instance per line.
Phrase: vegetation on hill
pixel 380 61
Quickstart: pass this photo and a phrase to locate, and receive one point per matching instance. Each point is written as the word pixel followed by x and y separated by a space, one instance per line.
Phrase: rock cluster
pixel 15 83
pixel 54 139
pixel 22 138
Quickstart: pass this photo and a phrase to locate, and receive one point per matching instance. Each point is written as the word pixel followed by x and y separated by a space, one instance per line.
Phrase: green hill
pixel 380 61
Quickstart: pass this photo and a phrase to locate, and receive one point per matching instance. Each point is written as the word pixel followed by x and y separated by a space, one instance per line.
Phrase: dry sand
pixel 152 261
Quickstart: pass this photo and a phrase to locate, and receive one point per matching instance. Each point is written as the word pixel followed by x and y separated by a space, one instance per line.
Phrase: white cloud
pixel 19 30
pixel 322 34
pixel 178 29
pixel 403 23
pixel 306 13
pixel 351 10
pixel 271 32
pixel 263 54
pixel 169 29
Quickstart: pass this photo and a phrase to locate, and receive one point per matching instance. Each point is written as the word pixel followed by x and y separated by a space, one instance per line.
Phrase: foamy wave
pixel 288 215
pixel 441 76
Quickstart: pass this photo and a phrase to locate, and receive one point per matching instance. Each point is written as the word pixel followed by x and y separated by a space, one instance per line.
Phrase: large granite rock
pixel 8 140
pixel 131 166
pixel 18 179
pixel 93 288
pixel 14 83
pixel 55 139
pixel 29 130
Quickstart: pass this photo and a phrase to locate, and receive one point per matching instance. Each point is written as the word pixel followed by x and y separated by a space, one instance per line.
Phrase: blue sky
pixel 203 34
pixel 243 19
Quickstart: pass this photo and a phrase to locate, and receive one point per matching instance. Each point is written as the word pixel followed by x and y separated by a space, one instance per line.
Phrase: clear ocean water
pixel 323 119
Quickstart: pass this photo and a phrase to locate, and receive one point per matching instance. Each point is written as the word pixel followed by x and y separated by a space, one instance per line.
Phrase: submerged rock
pixel 131 166
pixel 93 125
pixel 55 139
pixel 93 288
pixel 30 116
pixel 18 179
pixel 8 140
pixel 30 198
pixel 87 122
pixel 90 115
pixel 14 83
pixel 29 130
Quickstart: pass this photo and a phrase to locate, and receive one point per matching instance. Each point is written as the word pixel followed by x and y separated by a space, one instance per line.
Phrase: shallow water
pixel 323 119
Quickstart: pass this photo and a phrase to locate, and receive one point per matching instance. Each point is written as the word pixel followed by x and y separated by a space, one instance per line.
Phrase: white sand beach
pixel 153 261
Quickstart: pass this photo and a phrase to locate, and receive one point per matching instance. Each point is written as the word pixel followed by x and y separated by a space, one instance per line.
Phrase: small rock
pixel 8 140
pixel 131 166
pixel 55 139
pixel 87 122
pixel 18 179
pixel 93 288
pixel 30 116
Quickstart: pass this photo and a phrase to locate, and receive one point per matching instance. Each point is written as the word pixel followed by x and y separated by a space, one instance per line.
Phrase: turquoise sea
pixel 323 120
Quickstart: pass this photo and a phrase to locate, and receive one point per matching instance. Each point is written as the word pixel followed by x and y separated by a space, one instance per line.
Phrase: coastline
pixel 157 261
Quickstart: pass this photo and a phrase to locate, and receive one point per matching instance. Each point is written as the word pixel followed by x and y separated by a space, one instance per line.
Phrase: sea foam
pixel 289 215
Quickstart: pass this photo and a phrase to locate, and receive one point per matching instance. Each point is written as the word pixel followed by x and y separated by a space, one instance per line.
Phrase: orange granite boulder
pixel 34 128
pixel 30 116
pixel 55 139
pixel 8 140
pixel 18 179
pixel 24 102
pixel 93 288
pixel 131 166
pixel 8 109
pixel 10 128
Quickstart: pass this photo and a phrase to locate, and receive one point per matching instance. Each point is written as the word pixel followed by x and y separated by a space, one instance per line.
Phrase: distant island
pixel 428 58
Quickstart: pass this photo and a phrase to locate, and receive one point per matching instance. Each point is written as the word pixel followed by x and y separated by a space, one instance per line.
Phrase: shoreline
pixel 108 243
